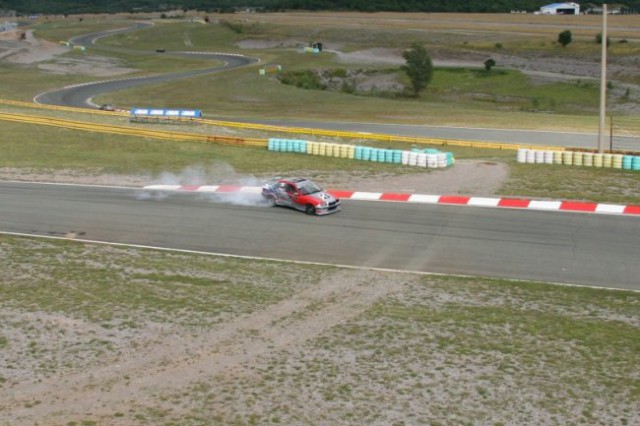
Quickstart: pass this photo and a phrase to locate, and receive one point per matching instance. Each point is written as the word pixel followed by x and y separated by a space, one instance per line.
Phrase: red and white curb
pixel 514 203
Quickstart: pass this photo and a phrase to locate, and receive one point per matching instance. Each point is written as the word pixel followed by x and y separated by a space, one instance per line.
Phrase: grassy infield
pixel 575 350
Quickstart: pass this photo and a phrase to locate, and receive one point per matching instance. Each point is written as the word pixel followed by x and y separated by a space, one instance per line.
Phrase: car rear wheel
pixel 271 201
pixel 310 209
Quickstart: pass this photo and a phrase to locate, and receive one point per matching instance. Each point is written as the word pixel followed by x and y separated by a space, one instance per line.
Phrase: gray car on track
pixel 300 194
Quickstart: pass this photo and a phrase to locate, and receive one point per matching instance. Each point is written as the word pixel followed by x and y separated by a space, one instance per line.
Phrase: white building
pixel 8 20
pixel 561 9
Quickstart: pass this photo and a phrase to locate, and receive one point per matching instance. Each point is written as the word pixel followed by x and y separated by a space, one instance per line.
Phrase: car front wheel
pixel 310 209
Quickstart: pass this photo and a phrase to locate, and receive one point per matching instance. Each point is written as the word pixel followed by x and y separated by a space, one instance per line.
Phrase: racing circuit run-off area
pixel 254 219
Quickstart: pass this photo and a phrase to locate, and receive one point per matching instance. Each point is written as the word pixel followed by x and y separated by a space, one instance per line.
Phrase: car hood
pixel 322 196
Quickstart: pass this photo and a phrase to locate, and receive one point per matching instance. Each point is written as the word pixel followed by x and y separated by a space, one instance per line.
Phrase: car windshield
pixel 307 188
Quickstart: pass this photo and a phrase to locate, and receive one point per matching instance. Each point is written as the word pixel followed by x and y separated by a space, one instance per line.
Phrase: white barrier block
pixel 163 187
pixel 483 202
pixel 366 195
pixel 421 198
pixel 545 205
pixel 610 208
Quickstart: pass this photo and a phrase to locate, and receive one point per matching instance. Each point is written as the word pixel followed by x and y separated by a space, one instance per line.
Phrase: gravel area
pixel 100 335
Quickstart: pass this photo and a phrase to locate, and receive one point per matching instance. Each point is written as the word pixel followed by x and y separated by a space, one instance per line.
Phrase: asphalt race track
pixel 80 95
pixel 576 248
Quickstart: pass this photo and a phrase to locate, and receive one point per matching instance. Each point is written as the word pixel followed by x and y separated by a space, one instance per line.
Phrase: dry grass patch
pixel 106 335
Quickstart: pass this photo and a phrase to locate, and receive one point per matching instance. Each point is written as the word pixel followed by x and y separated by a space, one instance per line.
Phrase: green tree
pixel 419 67
pixel 565 38
pixel 489 63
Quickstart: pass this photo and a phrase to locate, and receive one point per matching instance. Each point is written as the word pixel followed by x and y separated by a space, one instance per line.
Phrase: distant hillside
pixel 128 6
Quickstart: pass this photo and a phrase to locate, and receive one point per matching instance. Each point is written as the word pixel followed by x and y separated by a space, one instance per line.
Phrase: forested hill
pixel 129 6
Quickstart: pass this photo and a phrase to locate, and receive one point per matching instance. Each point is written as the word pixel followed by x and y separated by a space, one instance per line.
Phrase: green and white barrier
pixel 576 158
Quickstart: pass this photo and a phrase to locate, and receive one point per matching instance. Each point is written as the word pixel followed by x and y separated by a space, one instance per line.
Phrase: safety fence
pixel 431 158
pixel 578 158
pixel 130 131
pixel 626 125
pixel 61 108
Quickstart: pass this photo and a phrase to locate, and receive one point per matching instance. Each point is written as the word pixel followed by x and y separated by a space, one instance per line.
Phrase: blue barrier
pixel 366 153
pixel 273 144
pixel 164 115
pixel 388 156
pixel 450 159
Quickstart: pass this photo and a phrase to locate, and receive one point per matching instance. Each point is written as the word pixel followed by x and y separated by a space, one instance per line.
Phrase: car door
pixel 284 192
pixel 296 198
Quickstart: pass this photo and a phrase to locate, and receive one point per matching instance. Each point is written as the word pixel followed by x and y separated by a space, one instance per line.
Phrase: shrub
pixel 306 79
pixel 233 26
pixel 348 87
pixel 339 73
pixel 565 37
pixel 489 63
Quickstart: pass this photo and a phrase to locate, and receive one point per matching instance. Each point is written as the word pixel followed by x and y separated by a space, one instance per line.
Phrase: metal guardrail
pixel 305 131
pixel 130 131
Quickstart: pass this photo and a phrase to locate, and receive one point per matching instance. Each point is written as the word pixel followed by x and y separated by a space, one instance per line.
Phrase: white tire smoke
pixel 216 174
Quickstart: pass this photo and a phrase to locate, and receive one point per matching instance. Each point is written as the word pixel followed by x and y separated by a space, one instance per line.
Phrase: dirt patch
pixel 371 56
pixel 97 66
pixel 469 177
pixel 56 58
pixel 237 348
pixel 478 178
pixel 269 44
pixel 28 50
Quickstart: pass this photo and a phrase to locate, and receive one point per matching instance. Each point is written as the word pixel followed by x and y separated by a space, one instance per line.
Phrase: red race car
pixel 300 194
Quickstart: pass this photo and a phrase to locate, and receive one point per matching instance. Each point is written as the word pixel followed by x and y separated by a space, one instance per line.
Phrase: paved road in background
pixel 573 248
pixel 526 137
pixel 80 95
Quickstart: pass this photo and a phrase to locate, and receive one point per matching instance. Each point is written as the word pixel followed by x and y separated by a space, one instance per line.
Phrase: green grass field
pixel 49 149
pixel 162 337
pixel 436 350
pixel 456 97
